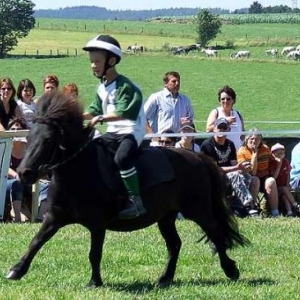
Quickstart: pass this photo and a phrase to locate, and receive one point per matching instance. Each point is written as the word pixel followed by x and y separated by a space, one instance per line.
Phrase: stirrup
pixel 133 209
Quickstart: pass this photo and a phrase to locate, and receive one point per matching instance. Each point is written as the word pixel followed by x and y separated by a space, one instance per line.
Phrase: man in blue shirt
pixel 168 109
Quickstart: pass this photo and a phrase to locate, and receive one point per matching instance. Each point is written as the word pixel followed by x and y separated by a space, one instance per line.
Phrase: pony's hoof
pixel 234 274
pixel 94 284
pixel 13 275
pixel 164 283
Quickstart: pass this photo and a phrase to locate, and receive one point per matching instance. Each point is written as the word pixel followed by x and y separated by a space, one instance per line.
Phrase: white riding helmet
pixel 105 42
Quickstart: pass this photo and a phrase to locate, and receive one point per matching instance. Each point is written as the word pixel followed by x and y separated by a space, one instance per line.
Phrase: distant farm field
pixel 267 88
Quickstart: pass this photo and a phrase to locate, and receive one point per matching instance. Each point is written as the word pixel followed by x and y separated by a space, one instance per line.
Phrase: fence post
pixel 51 52
pixel 75 51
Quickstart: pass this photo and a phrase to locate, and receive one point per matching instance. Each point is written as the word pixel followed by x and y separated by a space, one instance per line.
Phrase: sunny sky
pixel 156 4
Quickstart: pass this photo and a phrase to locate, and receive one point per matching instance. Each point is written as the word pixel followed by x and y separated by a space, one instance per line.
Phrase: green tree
pixel 255 8
pixel 207 26
pixel 16 21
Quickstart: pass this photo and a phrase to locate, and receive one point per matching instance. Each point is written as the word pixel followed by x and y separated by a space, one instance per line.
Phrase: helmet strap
pixel 107 66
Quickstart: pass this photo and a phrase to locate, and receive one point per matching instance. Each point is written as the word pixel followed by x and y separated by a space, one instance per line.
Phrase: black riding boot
pixel 134 208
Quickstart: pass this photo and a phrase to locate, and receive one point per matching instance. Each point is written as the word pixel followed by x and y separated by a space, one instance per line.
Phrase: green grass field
pixel 266 87
pixel 132 262
pixel 267 90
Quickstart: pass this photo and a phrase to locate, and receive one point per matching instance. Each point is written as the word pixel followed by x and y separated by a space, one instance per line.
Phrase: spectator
pixel 15 190
pixel 71 89
pixel 25 94
pixel 167 141
pixel 168 108
pixel 223 152
pixel 227 98
pixel 124 113
pixel 295 168
pixel 8 106
pixel 50 83
pixel 188 142
pixel 258 154
pixel 280 169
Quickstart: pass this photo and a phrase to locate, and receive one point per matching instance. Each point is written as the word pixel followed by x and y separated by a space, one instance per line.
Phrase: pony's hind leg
pixel 215 235
pixel 173 242
pixel 46 232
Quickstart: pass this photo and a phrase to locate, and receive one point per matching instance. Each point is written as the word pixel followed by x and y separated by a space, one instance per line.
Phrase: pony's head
pixel 57 127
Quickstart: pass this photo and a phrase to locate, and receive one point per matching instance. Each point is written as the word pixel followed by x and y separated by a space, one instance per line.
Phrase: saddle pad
pixel 152 164
pixel 154 167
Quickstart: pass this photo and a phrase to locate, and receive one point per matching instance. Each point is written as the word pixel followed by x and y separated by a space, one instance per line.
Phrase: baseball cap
pixel 277 146
pixel 221 121
pixel 187 126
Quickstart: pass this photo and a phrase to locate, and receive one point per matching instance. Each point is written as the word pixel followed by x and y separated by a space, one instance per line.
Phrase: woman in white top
pixel 227 98
pixel 25 93
pixel 188 142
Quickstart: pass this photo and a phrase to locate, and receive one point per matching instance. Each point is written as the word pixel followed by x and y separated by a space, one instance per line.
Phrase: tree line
pixel 101 13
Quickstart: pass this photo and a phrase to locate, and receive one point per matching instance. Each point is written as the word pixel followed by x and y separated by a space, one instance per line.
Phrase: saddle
pixel 152 164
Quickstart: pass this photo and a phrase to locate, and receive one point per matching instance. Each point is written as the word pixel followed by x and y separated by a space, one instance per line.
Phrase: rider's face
pixel 97 59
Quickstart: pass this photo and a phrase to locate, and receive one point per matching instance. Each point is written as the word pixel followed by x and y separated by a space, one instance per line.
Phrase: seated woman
pixel 188 142
pixel 227 99
pixel 8 106
pixel 15 190
pixel 167 141
pixel 258 155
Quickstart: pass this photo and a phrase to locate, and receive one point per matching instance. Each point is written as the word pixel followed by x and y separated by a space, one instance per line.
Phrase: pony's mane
pixel 60 107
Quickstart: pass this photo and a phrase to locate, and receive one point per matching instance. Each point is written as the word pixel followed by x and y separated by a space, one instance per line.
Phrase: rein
pixel 48 167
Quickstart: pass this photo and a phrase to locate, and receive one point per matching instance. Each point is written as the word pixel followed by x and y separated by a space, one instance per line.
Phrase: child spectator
pixel 188 142
pixel 71 89
pixel 279 167
pixel 50 83
pixel 167 141
pixel 25 93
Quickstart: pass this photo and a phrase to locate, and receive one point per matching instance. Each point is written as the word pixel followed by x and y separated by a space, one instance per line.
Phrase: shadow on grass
pixel 142 286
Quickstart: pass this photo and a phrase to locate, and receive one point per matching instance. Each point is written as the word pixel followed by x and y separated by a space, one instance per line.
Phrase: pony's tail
pixel 221 210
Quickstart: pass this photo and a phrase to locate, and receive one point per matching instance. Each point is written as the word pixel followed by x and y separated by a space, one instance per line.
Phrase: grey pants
pixel 240 183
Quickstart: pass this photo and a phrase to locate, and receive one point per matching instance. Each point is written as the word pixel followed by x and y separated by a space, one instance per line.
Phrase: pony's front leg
pixel 46 232
pixel 95 256
pixel 173 242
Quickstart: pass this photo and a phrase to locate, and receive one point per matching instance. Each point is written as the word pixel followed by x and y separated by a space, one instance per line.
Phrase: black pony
pixel 78 193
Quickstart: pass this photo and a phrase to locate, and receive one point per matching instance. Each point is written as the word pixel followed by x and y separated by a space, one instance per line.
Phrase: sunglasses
pixel 223 127
pixel 6 89
pixel 226 98
pixel 165 142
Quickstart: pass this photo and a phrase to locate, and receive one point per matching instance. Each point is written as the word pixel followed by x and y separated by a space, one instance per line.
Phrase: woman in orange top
pixel 258 154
